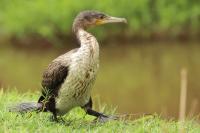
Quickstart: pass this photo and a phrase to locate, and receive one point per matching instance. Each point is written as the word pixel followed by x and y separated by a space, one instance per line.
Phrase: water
pixel 139 78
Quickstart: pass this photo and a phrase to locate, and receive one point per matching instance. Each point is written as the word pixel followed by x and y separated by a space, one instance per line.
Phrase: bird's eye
pixel 102 16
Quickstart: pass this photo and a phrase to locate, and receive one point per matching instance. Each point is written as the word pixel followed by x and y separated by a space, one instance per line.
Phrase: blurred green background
pixel 140 62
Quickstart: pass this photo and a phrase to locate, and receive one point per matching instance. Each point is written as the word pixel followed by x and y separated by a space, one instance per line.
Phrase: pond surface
pixel 138 78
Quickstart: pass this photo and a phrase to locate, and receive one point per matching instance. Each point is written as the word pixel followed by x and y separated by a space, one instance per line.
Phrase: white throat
pixel 88 43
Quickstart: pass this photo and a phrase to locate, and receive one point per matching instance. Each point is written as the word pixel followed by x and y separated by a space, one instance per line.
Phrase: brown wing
pixel 55 75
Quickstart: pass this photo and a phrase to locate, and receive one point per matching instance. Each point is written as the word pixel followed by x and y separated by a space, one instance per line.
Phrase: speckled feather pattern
pixel 83 66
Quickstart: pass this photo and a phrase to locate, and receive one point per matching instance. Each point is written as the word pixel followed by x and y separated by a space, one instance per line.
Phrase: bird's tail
pixel 26 107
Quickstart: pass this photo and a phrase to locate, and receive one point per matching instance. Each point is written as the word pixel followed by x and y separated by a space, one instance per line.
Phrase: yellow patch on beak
pixel 99 22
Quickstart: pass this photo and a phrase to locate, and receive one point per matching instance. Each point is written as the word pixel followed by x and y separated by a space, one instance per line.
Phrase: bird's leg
pixel 54 117
pixel 100 116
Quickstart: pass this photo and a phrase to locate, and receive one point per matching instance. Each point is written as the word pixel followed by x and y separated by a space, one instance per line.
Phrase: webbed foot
pixel 105 118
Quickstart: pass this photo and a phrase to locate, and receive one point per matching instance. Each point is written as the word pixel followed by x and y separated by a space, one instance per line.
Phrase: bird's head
pixel 86 19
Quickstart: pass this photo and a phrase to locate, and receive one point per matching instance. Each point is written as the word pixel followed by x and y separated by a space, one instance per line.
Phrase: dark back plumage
pixel 52 79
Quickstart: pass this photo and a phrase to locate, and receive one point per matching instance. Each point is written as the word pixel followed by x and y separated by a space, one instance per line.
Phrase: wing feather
pixel 55 74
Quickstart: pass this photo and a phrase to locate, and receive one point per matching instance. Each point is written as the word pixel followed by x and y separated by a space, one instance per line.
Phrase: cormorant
pixel 68 79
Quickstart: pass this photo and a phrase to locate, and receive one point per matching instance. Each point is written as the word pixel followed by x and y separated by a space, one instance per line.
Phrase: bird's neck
pixel 88 43
pixel 86 38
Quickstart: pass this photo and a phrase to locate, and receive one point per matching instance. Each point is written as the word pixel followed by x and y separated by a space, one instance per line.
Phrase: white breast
pixel 83 68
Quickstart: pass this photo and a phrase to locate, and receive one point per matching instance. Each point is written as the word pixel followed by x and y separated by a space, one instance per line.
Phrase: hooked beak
pixel 110 19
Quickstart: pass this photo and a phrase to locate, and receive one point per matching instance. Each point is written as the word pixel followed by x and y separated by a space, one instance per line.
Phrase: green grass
pixel 77 121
